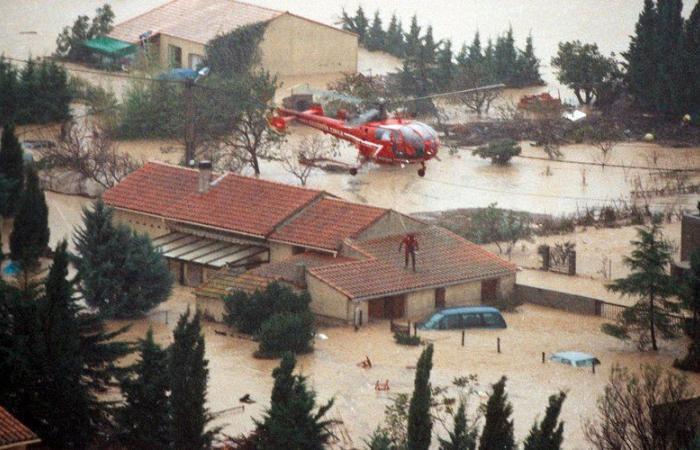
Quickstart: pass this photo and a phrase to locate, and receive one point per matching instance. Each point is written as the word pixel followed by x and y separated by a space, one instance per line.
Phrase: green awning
pixel 110 47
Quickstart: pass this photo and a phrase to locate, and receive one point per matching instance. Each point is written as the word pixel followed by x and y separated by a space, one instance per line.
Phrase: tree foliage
pixel 30 231
pixel 61 359
pixel 498 428
pixel 628 418
pixel 420 422
pixel 70 43
pixel 690 296
pixel 292 421
pixel 144 420
pixel 548 434
pixel 461 437
pixel 120 271
pixel 499 151
pixel 650 282
pixel 286 332
pixel 587 72
pixel 38 93
pixel 236 53
pixel 189 374
pixel 11 170
pixel 492 224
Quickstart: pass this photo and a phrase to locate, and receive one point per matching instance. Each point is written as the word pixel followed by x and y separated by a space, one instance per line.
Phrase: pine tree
pixel 420 423
pixel 291 422
pixel 144 420
pixel 548 435
pixel 394 37
pixel 670 76
pixel 498 429
pixel 120 271
pixel 444 73
pixel 462 57
pixel 460 438
pixel 11 169
pixel 528 66
pixel 188 383
pixel 376 37
pixel 505 57
pixel 30 231
pixel 650 281
pixel 641 57
pixel 63 358
pixel 475 54
pixel 361 25
pixel 413 40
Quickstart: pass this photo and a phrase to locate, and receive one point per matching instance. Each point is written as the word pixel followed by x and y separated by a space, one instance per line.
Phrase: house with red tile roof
pixel 14 435
pixel 176 34
pixel 223 232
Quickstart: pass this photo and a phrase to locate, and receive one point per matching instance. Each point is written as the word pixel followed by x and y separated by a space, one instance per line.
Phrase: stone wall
pixel 559 300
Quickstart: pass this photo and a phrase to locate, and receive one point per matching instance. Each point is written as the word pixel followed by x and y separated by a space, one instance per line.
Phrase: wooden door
pixel 489 290
pixel 395 307
pixel 376 308
pixel 439 298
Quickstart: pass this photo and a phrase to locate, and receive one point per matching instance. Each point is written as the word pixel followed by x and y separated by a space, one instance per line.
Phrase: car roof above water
pixel 469 309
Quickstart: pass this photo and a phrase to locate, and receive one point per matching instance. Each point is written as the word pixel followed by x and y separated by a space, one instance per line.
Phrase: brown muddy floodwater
pixel 333 372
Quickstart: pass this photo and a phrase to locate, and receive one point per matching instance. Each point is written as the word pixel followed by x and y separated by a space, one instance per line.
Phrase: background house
pixel 177 32
pixel 225 232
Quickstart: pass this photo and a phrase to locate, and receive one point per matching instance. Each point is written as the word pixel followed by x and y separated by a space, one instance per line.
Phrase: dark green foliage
pixel 661 59
pixel 188 383
pixel 248 312
pixel 498 429
pixel 380 440
pixel 292 421
pixel 11 171
pixel 445 68
pixel 406 339
pixel 420 422
pixel 120 272
pixel 144 420
pixel 359 24
pixel 650 281
pixel 70 43
pixel 548 435
pixel 286 332
pixel 587 72
pixel 376 36
pixel 461 437
pixel 690 296
pixel 38 93
pixel 395 37
pixel 499 151
pixel 235 53
pixel 30 231
pixel 62 358
pixel 502 227
pixel 152 110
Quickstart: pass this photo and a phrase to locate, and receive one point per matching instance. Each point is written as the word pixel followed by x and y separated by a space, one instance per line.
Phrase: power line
pixel 621 166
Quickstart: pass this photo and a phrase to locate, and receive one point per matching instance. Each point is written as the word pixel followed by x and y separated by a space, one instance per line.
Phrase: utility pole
pixel 189 123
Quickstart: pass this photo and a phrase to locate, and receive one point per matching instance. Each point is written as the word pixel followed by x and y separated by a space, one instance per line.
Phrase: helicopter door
pixel 396 144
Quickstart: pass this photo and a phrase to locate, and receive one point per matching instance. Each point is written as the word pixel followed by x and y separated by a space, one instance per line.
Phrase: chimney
pixel 204 176
pixel 300 274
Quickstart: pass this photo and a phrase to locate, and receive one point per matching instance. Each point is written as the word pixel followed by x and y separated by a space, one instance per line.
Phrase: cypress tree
pixel 420 423
pixel 460 438
pixel 691 302
pixel 548 435
pixel 505 57
pixel 641 57
pixel 413 41
pixel 528 66
pixel 188 383
pixel 669 68
pixel 30 231
pixel 376 38
pixel 11 170
pixel 692 58
pixel 462 57
pixel 144 420
pixel 291 421
pixel 475 54
pixel 649 281
pixel 361 25
pixel 498 429
pixel 9 88
pixel 444 72
pixel 394 37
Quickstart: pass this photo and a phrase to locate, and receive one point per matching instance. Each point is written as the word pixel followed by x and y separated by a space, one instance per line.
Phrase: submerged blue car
pixel 465 317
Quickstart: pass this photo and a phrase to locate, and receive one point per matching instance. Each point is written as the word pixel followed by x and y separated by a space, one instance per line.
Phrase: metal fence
pixel 611 311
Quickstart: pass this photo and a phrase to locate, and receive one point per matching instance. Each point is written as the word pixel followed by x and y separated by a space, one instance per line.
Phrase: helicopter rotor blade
pixel 489 87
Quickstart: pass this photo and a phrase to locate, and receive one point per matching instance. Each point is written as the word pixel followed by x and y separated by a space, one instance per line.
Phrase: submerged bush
pixel 286 332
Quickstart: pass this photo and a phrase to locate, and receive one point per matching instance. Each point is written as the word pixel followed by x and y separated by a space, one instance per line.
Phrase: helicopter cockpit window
pixel 383 134
pixel 424 130
pixel 414 139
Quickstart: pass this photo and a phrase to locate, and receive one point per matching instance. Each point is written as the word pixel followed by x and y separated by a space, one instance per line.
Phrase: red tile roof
pixel 444 258
pixel 325 224
pixel 194 20
pixel 233 203
pixel 12 431
pixel 286 270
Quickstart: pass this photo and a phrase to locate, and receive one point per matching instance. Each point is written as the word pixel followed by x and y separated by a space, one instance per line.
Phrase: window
pixel 471 320
pixel 195 61
pixel 450 322
pixel 175 56
pixel 491 320
pixel 439 298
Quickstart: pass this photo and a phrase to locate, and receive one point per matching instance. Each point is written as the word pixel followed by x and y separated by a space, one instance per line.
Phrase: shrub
pixel 286 332
pixel 608 215
pixel 406 339
pixel 248 312
pixel 499 151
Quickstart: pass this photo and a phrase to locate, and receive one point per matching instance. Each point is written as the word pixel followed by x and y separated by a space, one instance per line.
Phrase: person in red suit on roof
pixel 411 244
